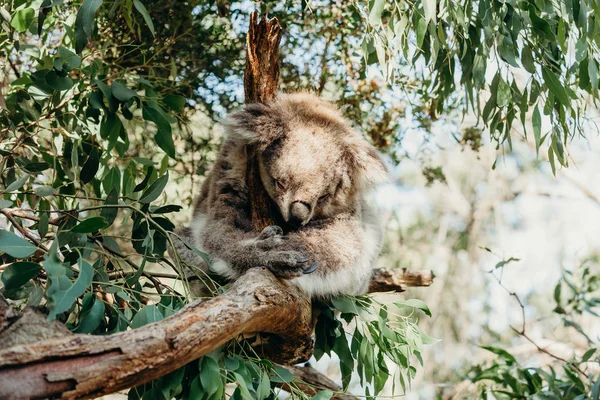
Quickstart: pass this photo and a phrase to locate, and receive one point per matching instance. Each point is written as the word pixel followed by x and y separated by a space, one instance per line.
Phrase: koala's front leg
pixel 227 236
pixel 234 251
pixel 345 249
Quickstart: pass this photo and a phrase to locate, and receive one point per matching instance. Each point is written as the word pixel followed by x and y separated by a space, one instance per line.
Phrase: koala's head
pixel 311 162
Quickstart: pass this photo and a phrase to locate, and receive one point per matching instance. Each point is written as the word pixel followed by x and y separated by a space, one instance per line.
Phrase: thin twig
pixel 22 230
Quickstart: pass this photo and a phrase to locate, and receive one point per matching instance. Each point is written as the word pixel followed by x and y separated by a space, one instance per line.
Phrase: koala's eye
pixel 324 197
pixel 279 185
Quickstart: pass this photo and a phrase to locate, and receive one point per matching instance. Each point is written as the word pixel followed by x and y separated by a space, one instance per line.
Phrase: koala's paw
pixel 289 264
pixel 270 237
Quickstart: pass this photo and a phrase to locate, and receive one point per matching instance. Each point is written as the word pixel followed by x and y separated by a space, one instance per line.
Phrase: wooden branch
pixel 397 279
pixel 260 86
pixel 86 366
pixel 311 381
pixel 262 59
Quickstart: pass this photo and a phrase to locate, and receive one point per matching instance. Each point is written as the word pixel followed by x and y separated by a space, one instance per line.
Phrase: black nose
pixel 299 213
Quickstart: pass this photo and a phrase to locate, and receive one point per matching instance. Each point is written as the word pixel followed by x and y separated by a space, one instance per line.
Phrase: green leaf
pixel 376 11
pixel 281 375
pixel 527 59
pixel 154 191
pixel 506 49
pixel 551 159
pixel 264 387
pixel 344 305
pixel 148 314
pixel 501 352
pixel 121 92
pixel 593 73
pixel 36 166
pixel 67 59
pixel 18 274
pixel 84 23
pixel 57 82
pixel 44 191
pixel 112 180
pixel 142 10
pixel 210 376
pixel 110 213
pixel 15 246
pixel 536 120
pixel 175 102
pixel 90 225
pixel 556 87
pixel 163 137
pixel 92 314
pixel 62 292
pixel 142 185
pixel 90 167
pixel 323 395
pixel 503 94
pixel 165 209
pixel 16 185
pixel 503 263
pixel 415 303
pixel 44 218
pixel 430 10
pixel 22 19
pixel 587 355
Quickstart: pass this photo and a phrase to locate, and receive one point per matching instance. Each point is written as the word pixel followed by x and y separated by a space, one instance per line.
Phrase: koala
pixel 316 172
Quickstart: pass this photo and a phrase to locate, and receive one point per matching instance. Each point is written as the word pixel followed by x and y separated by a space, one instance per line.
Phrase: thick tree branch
pixel 85 366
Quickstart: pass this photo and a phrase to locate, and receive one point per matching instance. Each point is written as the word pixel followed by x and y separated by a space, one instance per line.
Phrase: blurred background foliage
pixel 108 124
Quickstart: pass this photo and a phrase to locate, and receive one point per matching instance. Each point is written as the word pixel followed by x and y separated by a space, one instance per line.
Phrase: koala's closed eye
pixel 324 197
pixel 278 184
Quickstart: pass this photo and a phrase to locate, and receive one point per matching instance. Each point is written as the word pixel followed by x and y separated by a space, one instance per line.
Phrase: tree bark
pixel 262 59
pixel 86 366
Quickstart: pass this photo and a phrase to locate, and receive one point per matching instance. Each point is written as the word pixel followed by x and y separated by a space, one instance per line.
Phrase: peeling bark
pixel 396 279
pixel 85 366
pixel 262 59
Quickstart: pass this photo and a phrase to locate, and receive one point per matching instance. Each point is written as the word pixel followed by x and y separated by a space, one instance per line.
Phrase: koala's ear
pixel 364 164
pixel 254 124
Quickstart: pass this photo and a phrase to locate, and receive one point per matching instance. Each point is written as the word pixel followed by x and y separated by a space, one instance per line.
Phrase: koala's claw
pixel 310 269
pixel 288 264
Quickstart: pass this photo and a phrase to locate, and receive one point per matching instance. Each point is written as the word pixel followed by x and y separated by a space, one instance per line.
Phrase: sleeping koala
pixel 316 171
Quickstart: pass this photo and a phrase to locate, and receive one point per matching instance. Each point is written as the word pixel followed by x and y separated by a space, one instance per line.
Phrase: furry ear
pixel 254 124
pixel 364 163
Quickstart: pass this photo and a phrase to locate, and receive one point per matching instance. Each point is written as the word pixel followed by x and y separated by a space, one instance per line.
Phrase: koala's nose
pixel 299 213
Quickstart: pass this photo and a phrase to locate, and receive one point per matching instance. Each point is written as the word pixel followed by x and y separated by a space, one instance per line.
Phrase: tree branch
pixel 86 366
pixel 262 59
pixel 311 381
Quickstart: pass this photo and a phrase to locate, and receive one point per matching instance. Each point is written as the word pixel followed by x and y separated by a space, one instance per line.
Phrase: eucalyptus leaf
pixel 15 246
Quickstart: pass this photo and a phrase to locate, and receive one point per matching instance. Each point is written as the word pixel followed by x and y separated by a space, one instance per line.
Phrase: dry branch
pixel 311 381
pixel 85 366
pixel 395 280
pixel 262 59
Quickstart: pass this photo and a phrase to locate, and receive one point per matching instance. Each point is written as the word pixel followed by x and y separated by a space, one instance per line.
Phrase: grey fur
pixel 317 170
